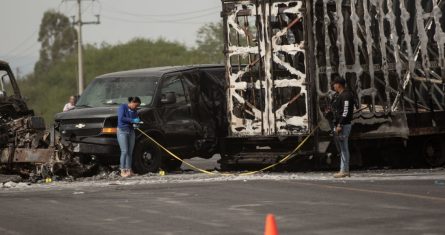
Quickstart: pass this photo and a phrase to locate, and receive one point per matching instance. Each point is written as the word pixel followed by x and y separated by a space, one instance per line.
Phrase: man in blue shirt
pixel 126 116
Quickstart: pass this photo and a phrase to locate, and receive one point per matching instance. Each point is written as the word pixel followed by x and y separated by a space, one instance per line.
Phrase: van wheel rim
pixel 147 158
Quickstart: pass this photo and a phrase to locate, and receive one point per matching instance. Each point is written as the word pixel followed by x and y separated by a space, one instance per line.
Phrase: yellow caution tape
pixel 289 156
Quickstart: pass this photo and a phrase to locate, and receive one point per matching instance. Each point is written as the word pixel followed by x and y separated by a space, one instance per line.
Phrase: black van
pixel 183 108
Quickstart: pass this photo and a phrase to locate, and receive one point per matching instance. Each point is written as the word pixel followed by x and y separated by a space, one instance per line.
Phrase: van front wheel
pixel 146 158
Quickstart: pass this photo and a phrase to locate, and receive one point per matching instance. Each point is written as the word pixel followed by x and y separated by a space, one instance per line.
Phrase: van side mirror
pixel 168 98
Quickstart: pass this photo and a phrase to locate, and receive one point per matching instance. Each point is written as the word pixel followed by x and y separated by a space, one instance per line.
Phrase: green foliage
pixel 210 41
pixel 48 91
pixel 57 37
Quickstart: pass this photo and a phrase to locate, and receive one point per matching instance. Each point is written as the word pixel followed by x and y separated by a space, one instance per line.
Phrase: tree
pixel 57 36
pixel 210 41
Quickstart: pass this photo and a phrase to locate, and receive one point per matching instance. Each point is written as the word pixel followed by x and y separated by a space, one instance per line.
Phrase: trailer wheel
pixel 434 151
pixel 147 158
pixel 225 164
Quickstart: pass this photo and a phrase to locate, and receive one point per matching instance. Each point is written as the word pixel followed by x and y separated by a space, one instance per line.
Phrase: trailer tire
pixel 146 158
pixel 433 151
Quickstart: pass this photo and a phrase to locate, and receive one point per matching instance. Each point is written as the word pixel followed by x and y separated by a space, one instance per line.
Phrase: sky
pixel 120 21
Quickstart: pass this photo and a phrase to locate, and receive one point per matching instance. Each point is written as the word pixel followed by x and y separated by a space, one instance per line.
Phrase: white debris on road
pixel 436 175
pixel 11 184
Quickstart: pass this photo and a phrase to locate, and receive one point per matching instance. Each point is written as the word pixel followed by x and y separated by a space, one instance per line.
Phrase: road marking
pixel 410 195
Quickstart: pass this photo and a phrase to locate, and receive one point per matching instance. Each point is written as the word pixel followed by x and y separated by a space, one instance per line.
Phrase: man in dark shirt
pixel 343 108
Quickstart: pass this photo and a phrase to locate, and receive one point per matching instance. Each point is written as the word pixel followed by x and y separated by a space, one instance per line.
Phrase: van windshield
pixel 114 91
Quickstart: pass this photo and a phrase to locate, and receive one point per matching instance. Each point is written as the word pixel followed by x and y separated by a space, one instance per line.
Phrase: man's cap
pixel 339 80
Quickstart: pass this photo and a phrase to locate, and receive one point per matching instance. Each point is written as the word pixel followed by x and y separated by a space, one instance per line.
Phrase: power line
pixel 176 21
pixel 191 18
pixel 24 50
pixel 146 22
pixel 67 11
pixel 26 40
pixel 163 15
pixel 22 43
pixel 30 36
pixel 99 4
pixel 86 8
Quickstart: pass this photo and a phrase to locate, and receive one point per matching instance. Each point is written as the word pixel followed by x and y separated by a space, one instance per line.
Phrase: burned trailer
pixel 281 57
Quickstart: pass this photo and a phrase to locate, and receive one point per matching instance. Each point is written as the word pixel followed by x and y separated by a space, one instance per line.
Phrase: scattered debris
pixel 80 186
pixel 9 184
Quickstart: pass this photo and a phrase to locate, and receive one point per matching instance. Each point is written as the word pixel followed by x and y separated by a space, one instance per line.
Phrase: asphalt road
pixel 402 202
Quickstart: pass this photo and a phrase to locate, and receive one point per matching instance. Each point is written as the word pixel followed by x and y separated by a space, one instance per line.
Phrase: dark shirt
pixel 125 116
pixel 343 108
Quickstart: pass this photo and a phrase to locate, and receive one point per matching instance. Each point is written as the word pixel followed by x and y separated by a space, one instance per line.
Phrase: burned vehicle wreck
pixel 182 107
pixel 25 145
pixel 281 57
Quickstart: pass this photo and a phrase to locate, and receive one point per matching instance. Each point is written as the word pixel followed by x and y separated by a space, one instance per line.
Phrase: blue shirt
pixel 125 116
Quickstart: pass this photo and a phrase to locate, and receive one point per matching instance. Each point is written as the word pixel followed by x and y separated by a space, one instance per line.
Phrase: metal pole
pixel 79 47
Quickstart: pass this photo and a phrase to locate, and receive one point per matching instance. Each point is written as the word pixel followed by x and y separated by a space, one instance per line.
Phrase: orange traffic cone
pixel 271 225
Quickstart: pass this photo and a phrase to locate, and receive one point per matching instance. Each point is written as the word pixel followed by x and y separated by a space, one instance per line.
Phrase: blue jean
pixel 126 141
pixel 341 140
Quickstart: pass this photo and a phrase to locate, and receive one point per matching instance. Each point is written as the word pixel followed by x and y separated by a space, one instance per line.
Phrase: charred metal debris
pixel 26 146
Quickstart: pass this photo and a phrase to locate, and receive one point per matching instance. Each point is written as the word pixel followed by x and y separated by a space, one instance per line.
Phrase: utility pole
pixel 79 24
pixel 79 47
